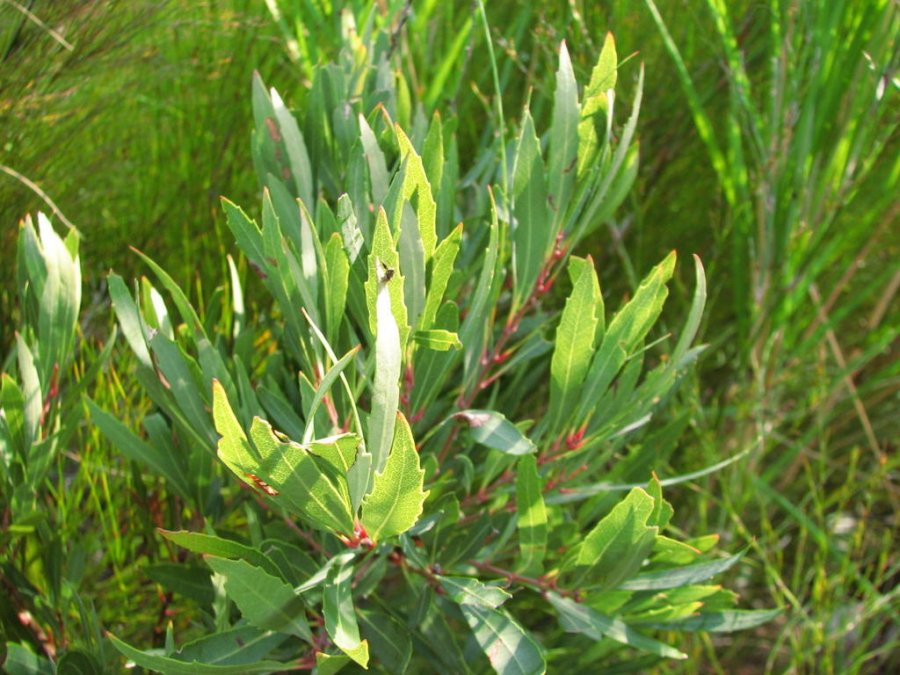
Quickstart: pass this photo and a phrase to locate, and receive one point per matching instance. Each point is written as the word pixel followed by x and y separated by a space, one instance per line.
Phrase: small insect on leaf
pixel 262 485
pixel 385 273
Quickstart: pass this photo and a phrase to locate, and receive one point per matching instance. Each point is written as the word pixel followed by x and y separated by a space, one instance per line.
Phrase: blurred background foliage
pixel 133 117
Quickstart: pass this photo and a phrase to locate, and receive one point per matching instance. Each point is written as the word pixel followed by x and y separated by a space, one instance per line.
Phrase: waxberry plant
pixel 445 447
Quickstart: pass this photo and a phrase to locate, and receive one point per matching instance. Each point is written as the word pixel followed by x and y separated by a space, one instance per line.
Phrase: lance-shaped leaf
pixel 625 333
pixel 169 465
pixel 388 357
pixel 324 387
pixel 396 500
pixel 152 660
pixel 509 647
pixel 533 235
pixel 285 471
pixel 220 548
pixel 617 546
pixel 531 516
pixel 727 621
pixel 336 274
pixel 265 601
pixel 441 269
pixel 414 184
pixel 595 108
pixel 563 155
pixel 495 431
pixel 578 618
pixel 340 617
pixel 574 349
pixel 679 576
pixel 475 328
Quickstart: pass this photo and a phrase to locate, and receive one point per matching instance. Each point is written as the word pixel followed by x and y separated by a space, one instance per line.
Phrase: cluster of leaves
pixel 40 413
pixel 389 521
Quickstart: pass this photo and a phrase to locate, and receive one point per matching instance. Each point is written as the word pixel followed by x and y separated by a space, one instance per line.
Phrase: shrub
pixel 430 416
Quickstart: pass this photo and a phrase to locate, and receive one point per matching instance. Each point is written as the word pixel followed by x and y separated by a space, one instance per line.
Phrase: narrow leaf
pixel 531 516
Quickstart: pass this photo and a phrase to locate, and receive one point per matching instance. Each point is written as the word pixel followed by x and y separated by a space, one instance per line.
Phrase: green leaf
pixel 248 236
pixel 388 358
pixel 495 431
pixel 174 666
pixel 575 340
pixel 469 591
pixel 727 621
pixel 328 664
pixel 340 617
pixel 680 576
pixel 695 314
pixel 266 601
pixel 595 104
pixel 509 647
pixel 12 402
pixel 578 618
pixel 220 548
pixel 625 333
pixel 531 516
pixel 533 235
pixel 476 327
pixel 285 471
pixel 617 546
pixel 31 390
pixel 563 154
pixel 441 269
pixel 336 273
pixel 297 154
pixel 378 173
pixel 22 661
pixel 237 646
pixel 437 339
pixel 324 387
pixel 388 639
pixel 396 500
pixel 339 451
pixel 158 459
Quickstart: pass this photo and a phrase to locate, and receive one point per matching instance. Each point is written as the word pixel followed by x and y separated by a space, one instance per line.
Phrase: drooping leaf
pixel 579 618
pixel 397 498
pixel 174 666
pixel 156 458
pixel 679 576
pixel 219 547
pixel 266 601
pixel 508 646
pixel 495 431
